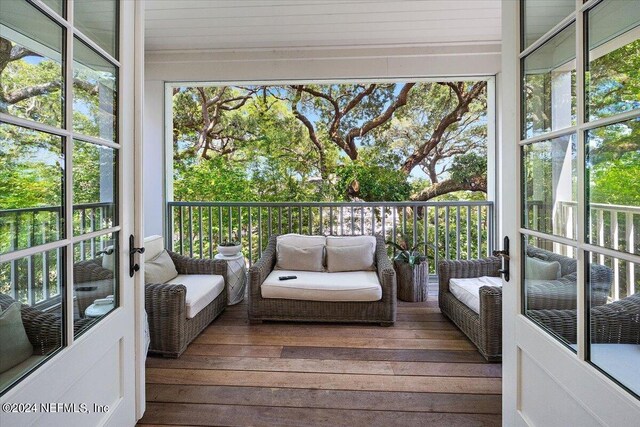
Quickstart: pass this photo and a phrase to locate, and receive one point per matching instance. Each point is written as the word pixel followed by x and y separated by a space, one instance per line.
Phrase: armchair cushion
pixel 16 347
pixel 467 291
pixel 160 269
pixel 300 241
pixel 321 286
pixel 202 289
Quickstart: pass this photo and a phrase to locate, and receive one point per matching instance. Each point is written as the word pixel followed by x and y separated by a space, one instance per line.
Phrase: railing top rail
pixel 55 208
pixel 606 206
pixel 334 204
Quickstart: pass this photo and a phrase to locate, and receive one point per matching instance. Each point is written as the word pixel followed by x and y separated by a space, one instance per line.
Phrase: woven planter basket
pixel 413 282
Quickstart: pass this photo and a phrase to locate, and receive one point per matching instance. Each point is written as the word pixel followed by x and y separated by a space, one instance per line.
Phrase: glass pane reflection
pixel 31 320
pixel 549 87
pixel 95 271
pixel 549 181
pixel 94 93
pixel 30 64
pixel 615 322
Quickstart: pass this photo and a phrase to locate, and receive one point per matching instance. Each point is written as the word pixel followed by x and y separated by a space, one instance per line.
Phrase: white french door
pixel 67 119
pixel 570 204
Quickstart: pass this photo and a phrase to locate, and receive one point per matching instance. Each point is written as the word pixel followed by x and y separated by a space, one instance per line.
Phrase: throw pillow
pixel 161 269
pixel 300 259
pixel 16 347
pixel 300 240
pixel 537 269
pixel 350 258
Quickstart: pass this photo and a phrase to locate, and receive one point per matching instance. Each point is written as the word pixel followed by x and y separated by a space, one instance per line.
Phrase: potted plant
pixel 229 247
pixel 412 270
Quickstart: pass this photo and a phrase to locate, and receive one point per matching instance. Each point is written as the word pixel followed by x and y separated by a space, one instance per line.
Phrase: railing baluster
pixel 270 222
pixel 373 220
pixel 479 231
pixel 447 229
pixel 436 235
pixel 299 219
pixel 629 237
pixel 404 221
pixel 321 209
pixel 249 233
pixel 331 220
pixel 341 220
pixel 468 232
pixel 362 228
pixel 383 218
pixel 220 231
pixel 415 225
pixel 280 220
pixel 310 228
pixel 289 219
pixel 190 231
pixel 181 231
pixel 352 221
pixel 394 212
pixel 615 260
pixel 210 232
pixel 230 234
pixel 457 232
pixel 601 234
pixel 200 232
pixel 259 232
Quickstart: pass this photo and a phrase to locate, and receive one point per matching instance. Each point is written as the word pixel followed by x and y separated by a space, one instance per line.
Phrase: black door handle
pixel 504 255
pixel 133 267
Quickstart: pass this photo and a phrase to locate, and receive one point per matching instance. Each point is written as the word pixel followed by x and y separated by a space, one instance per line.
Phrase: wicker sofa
pixel 382 311
pixel 484 329
pixel 170 327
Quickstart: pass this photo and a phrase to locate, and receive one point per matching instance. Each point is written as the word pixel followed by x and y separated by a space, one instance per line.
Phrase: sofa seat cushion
pixel 467 291
pixel 202 289
pixel 321 286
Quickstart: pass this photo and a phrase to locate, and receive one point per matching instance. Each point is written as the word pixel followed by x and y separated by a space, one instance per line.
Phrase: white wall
pixel 281 65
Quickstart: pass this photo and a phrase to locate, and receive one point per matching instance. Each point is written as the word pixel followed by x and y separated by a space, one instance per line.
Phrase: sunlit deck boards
pixel 422 371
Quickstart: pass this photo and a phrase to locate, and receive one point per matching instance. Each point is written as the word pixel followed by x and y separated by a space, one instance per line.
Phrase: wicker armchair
pixel 170 329
pixel 91 281
pixel 382 311
pixel 614 323
pixel 484 329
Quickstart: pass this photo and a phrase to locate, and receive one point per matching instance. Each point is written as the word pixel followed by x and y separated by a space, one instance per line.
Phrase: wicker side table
pixel 413 282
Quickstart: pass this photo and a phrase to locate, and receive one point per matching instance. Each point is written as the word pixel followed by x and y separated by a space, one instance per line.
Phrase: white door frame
pixel 570 391
pixel 106 361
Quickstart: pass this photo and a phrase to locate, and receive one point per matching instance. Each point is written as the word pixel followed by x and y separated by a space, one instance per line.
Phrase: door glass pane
pixel 94 93
pixel 31 188
pixel 614 317
pixel 31 320
pixel 30 64
pixel 97 19
pixel 56 5
pixel 550 186
pixel 94 178
pixel 612 82
pixel 540 16
pixel 548 87
pixel 95 274
pixel 550 287
pixel 613 173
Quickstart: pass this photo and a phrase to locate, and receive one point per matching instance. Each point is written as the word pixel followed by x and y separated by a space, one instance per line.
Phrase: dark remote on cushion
pixel 287 277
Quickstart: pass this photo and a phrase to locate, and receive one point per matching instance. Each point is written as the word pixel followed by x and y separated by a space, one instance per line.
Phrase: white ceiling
pixel 298 24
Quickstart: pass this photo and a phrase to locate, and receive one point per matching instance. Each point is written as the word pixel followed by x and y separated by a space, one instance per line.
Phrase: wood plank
pixel 328 331
pixel 344 353
pixel 271 340
pixel 329 366
pixel 420 317
pixel 233 350
pixel 444 325
pixel 402 383
pixel 329 399
pixel 236 415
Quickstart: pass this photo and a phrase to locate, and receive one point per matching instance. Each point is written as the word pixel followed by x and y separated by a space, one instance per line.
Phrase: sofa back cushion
pixel 160 269
pixel 537 269
pixel 16 347
pixel 350 258
pixel 300 240
pixel 153 246
pixel 291 257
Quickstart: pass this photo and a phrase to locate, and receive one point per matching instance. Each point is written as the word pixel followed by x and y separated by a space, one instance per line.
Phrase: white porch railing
pixel 459 230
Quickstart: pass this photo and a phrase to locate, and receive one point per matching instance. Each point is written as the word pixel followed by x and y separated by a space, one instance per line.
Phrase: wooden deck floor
pixel 422 371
